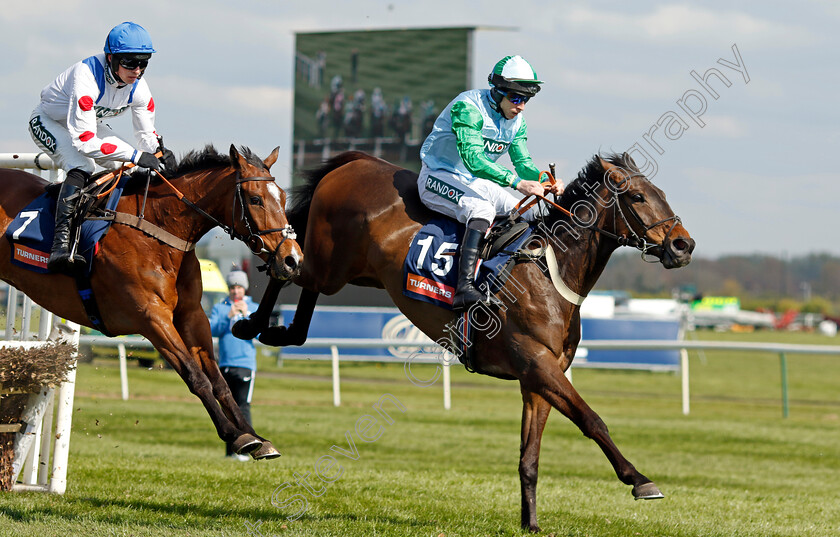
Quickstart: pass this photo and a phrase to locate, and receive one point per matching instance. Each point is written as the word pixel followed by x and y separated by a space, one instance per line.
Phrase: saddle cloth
pixel 31 232
pixel 430 271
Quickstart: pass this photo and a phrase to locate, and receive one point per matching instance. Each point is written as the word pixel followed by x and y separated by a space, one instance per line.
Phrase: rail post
pixel 335 377
pixel 785 402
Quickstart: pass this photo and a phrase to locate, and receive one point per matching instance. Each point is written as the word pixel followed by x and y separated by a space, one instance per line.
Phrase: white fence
pixel 48 414
pixel 34 163
pixel 434 354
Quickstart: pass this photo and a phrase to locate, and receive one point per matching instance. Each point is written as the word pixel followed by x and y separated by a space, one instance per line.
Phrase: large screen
pixel 377 91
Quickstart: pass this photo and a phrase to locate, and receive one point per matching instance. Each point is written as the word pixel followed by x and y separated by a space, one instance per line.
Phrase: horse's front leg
pixel 258 321
pixel 298 329
pixel 547 379
pixel 194 328
pixel 535 411
pixel 190 362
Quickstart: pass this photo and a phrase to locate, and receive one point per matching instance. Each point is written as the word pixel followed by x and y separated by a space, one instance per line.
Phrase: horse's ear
pixel 606 166
pixel 628 161
pixel 236 158
pixel 272 158
pixel 612 171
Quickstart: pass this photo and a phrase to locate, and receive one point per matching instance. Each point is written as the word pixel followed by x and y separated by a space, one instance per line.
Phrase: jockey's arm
pixel 524 164
pixel 521 157
pixel 143 118
pixel 82 123
pixel 467 124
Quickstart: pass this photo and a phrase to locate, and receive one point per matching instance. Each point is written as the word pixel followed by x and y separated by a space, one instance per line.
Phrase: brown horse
pixel 359 215
pixel 145 286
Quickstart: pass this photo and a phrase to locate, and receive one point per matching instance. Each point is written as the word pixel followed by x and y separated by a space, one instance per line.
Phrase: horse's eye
pixel 637 198
pixel 256 200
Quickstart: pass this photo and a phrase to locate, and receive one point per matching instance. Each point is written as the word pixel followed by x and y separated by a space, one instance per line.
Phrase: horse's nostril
pixel 290 262
pixel 680 245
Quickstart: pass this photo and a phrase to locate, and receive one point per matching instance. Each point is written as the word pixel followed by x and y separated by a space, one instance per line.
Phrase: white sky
pixel 757 177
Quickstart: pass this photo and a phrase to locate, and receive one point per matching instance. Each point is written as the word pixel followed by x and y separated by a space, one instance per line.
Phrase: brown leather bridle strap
pixel 253 239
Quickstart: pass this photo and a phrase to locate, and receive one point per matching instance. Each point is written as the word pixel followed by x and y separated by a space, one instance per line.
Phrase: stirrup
pixel 487 299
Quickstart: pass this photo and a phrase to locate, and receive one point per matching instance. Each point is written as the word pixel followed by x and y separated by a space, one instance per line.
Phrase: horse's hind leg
pixel 548 380
pixel 535 411
pixel 298 329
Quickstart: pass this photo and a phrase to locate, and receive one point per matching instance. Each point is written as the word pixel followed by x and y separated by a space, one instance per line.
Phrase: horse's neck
pixel 207 190
pixel 583 253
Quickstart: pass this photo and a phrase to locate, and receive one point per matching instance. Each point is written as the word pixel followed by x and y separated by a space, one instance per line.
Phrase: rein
pixel 253 239
pixel 640 243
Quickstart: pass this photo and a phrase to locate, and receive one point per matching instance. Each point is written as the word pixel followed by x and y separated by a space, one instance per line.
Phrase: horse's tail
pixel 298 213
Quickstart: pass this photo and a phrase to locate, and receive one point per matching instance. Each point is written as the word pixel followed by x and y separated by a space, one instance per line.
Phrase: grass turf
pixel 153 465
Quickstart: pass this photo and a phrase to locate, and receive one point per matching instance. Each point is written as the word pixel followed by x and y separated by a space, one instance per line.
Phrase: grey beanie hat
pixel 237 277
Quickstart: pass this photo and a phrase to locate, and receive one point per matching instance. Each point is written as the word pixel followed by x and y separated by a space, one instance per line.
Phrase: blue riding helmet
pixel 129 41
pixel 128 37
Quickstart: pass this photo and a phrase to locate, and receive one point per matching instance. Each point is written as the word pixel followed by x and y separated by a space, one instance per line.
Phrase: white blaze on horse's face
pixel 277 194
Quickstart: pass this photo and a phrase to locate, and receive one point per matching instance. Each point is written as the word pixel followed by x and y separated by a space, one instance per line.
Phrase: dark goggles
pixel 133 63
pixel 516 98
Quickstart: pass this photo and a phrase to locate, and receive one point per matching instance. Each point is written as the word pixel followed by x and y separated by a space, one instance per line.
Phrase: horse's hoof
pixel 245 329
pixel 266 451
pixel 279 336
pixel 246 444
pixel 647 491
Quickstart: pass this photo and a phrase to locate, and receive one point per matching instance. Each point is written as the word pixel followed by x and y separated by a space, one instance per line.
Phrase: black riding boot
pixel 60 260
pixel 466 294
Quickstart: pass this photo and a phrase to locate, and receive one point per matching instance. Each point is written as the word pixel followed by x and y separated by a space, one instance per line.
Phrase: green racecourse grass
pixel 734 467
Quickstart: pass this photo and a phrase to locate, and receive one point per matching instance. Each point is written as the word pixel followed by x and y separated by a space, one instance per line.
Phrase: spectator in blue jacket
pixel 237 358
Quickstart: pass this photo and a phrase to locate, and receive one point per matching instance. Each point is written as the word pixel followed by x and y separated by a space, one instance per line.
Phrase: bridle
pixel 253 238
pixel 105 184
pixel 641 243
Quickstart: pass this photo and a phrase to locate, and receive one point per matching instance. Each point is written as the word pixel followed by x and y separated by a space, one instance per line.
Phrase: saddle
pixel 503 233
pixel 87 205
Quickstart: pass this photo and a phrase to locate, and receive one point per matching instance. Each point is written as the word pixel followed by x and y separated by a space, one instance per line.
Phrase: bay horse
pixel 357 216
pixel 145 286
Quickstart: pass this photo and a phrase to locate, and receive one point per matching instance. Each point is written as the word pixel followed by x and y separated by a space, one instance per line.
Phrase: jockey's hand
pixel 530 187
pixel 168 160
pixel 557 188
pixel 147 160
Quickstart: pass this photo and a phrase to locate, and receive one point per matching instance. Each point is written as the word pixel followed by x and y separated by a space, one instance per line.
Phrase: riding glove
pixel 168 160
pixel 148 160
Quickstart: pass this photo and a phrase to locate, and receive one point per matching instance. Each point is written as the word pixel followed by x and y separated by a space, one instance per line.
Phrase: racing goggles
pixel 516 98
pixel 132 62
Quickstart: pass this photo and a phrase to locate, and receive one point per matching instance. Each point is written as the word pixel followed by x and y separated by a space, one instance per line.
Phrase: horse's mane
pixel 589 179
pixel 195 160
pixel 209 158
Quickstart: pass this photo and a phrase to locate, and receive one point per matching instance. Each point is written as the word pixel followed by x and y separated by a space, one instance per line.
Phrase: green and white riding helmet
pixel 514 74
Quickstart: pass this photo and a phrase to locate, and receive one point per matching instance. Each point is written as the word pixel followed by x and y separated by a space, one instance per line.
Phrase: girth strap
pixel 89 302
pixel 152 230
